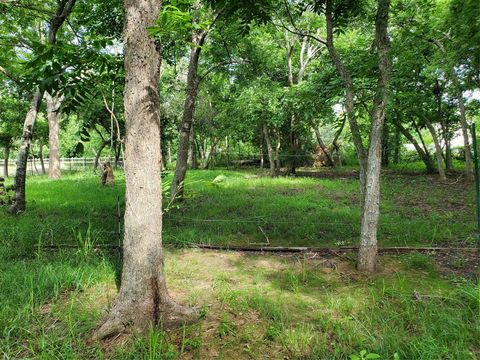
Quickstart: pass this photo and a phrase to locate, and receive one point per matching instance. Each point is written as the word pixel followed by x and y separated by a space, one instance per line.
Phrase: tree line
pixel 278 76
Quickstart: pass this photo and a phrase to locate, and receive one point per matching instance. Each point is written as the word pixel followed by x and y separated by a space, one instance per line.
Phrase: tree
pixel 371 208
pixel 199 33
pixel 143 297
pixel 64 8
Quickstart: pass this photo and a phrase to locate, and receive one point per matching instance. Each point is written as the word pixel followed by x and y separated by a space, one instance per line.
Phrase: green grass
pixel 252 306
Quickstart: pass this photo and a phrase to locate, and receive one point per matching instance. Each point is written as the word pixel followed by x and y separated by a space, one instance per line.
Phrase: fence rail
pixel 34 166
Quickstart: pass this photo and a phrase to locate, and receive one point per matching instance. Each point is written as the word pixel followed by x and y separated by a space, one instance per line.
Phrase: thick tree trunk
pixel 371 210
pixel 64 8
pixel 349 96
pixel 324 147
pixel 53 114
pixel 198 38
pixel 271 160
pixel 438 150
pixel 6 152
pixel 143 298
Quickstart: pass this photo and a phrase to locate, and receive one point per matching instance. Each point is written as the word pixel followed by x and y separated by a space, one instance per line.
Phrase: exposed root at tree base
pixel 168 317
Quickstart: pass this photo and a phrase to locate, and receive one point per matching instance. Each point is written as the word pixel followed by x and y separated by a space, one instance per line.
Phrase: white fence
pixel 34 166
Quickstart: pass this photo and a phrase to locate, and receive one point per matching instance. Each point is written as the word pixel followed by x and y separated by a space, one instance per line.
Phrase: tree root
pixel 170 316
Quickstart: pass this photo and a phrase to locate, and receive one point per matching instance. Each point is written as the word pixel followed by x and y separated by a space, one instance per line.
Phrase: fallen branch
pixel 282 249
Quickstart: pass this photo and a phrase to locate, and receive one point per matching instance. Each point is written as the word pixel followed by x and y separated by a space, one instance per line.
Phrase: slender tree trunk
pixel 40 156
pixel 262 156
pixel 169 153
pixel 278 163
pixel 64 8
pixel 271 160
pixel 210 155
pixel 463 117
pixel 19 200
pixel 349 96
pixel 324 147
pixel 385 146
pixel 426 158
pixel 53 115
pixel 143 298
pixel 466 143
pixel 396 152
pixel 6 152
pixel 98 154
pixel 227 151
pixel 371 210
pixel 438 150
pixel 198 38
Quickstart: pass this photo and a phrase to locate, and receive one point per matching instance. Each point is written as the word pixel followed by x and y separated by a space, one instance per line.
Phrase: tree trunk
pixel 371 209
pixel 324 147
pixel 278 163
pixel 396 151
pixel 466 143
pixel 443 123
pixel 463 117
pixel 99 153
pixel 64 8
pixel 210 155
pixel 40 156
pixel 169 152
pixel 349 96
pixel 143 298
pixel 438 150
pixel 271 159
pixel 19 200
pixel 53 114
pixel 385 146
pixel 198 38
pixel 6 151
pixel 427 160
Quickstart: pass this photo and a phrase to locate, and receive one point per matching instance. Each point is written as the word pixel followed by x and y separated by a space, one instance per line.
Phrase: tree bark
pixel 463 117
pixel 210 155
pixel 324 147
pixel 40 156
pixel 396 151
pixel 6 152
pixel 427 160
pixel 438 150
pixel 53 115
pixel 367 253
pixel 143 298
pixel 271 160
pixel 19 200
pixel 99 153
pixel 198 39
pixel 466 142
pixel 64 8
pixel 349 95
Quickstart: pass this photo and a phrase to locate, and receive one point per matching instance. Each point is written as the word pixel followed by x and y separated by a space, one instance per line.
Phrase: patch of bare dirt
pixel 461 263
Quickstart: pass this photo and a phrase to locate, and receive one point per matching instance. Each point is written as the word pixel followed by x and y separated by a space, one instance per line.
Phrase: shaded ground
pixel 269 307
